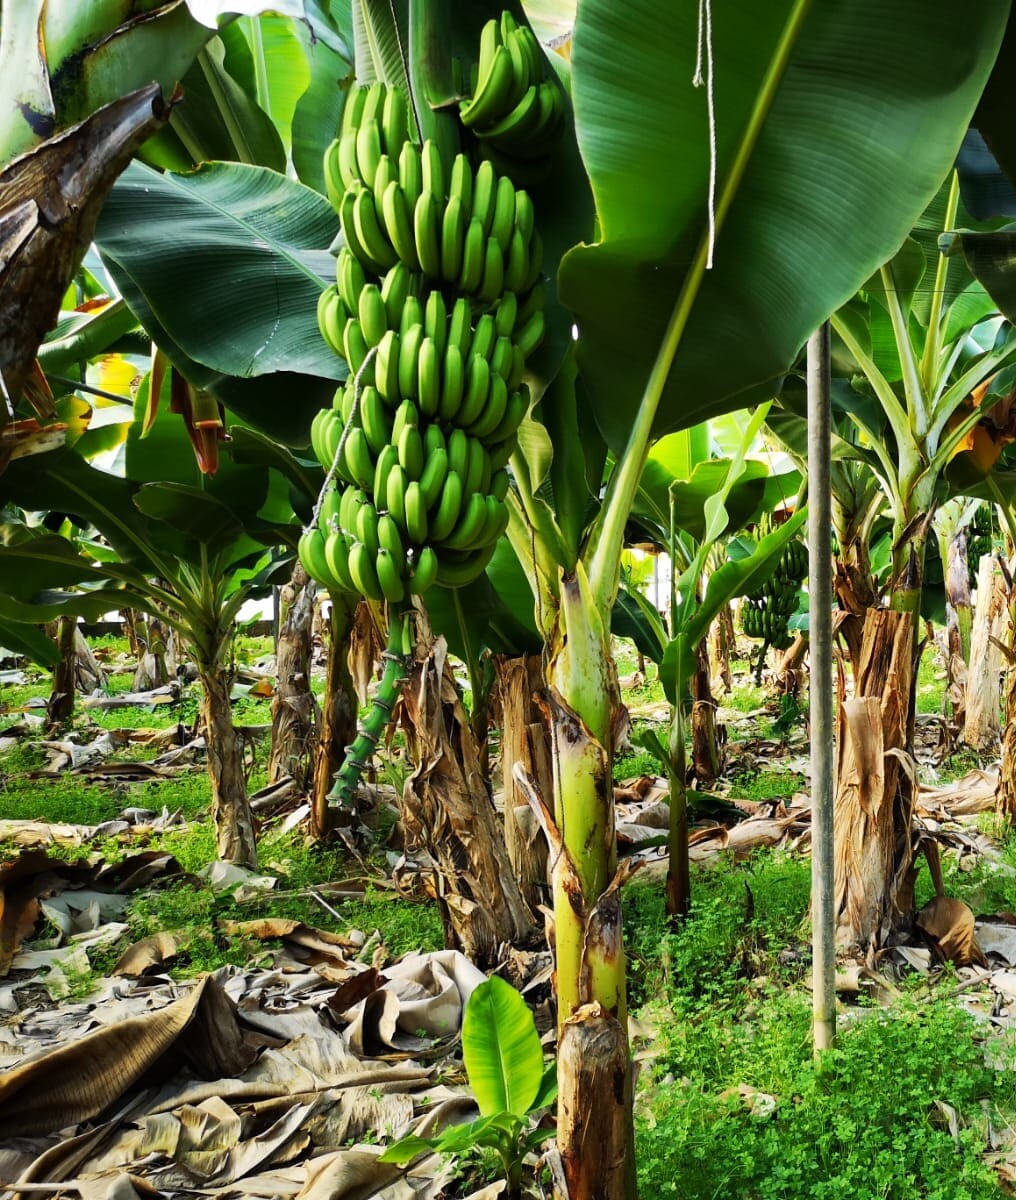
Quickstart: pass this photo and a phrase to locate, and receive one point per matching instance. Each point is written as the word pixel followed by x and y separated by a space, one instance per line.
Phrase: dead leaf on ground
pixel 950 924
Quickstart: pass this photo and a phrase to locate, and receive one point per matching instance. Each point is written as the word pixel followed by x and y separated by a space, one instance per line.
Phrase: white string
pixel 312 524
pixel 705 50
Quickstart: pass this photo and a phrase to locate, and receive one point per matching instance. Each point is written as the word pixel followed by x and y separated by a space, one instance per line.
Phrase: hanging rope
pixel 704 54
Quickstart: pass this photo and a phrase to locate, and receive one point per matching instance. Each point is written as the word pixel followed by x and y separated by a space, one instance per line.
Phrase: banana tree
pixel 929 358
pixel 189 550
pixel 690 516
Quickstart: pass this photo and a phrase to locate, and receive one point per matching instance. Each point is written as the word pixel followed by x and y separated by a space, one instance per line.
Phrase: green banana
pixel 478 470
pixel 460 185
pixel 518 124
pixel 324 418
pixel 409 356
pixel 452 383
pixel 494 87
pixel 387 172
pixel 473 256
pixel 399 225
pixel 389 576
pixel 410 447
pixel 386 368
pixel 310 550
pixel 435 320
pixel 525 215
pixel 387 460
pixel 446 515
pixel 363 572
pixel 349 507
pixel 453 235
pixel 352 110
pixel 396 495
pixel 424 571
pixel 412 314
pixel 477 389
pixel 493 414
pixel 469 528
pixel 484 337
pixel 433 475
pixel 458 574
pixel 373 314
pixel 502 223
pixel 429 377
pixel 518 407
pixel 331 316
pixel 458 452
pixel 406 414
pixel 350 277
pixel 345 162
pixel 367 526
pixel 433 170
pixel 389 537
pixel 395 292
pixel 505 314
pixel 369 232
pixel 516 263
pixel 460 325
pixel 416 513
pixel 531 334
pixel 502 358
pixel 354 345
pixel 411 173
pixel 374 419
pixel 492 279
pixel 484 195
pixel 357 457
pixel 368 151
pixel 394 121
pixel 499 482
pixel 427 233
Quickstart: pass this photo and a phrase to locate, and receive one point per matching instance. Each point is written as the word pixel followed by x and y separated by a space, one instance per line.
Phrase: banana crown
pixel 437 304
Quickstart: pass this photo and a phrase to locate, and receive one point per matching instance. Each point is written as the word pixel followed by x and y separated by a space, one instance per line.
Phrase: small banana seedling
pixel 504 1062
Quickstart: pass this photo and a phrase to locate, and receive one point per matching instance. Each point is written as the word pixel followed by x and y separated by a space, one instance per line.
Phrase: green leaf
pixel 28 641
pixel 229 260
pixel 501 1049
pixel 731 580
pixel 190 511
pixel 812 218
pixel 319 112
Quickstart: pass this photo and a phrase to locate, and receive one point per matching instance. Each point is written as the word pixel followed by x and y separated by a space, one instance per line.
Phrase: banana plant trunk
pixel 294 709
pixel 447 810
pixel 988 638
pixel 594 1131
pixel 338 714
pixel 706 758
pixel 60 706
pixel 876 782
pixel 235 840
pixel 722 647
pixel 959 623
pixel 1005 793
pixel 525 742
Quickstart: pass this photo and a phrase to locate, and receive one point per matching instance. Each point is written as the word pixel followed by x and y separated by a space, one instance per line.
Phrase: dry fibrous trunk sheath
pixel 525 740
pixel 338 714
pixel 235 840
pixel 990 632
pixel 294 709
pixel 447 810
pixel 875 787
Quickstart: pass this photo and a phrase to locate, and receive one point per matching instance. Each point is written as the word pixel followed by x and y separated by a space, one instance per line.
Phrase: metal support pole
pixel 820 587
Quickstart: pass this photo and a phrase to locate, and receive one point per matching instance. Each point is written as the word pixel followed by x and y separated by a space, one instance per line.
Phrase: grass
pixel 766 785
pixel 732 1103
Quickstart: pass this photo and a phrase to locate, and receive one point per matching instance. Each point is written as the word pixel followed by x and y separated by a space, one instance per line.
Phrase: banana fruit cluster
pixel 765 613
pixel 436 306
pixel 399 202
pixel 979 538
pixel 515 113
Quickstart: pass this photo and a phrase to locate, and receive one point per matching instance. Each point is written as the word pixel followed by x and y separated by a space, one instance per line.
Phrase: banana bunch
pixel 399 202
pixel 435 319
pixel 765 613
pixel 979 538
pixel 513 111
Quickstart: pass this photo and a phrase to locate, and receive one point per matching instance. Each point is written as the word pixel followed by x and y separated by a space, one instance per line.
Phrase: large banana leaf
pixel 870 93
pixel 229 261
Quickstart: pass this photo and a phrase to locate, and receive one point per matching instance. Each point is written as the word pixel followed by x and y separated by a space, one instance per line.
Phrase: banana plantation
pixel 507 605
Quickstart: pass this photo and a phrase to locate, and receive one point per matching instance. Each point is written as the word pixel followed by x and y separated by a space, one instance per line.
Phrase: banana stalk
pixel 396 656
